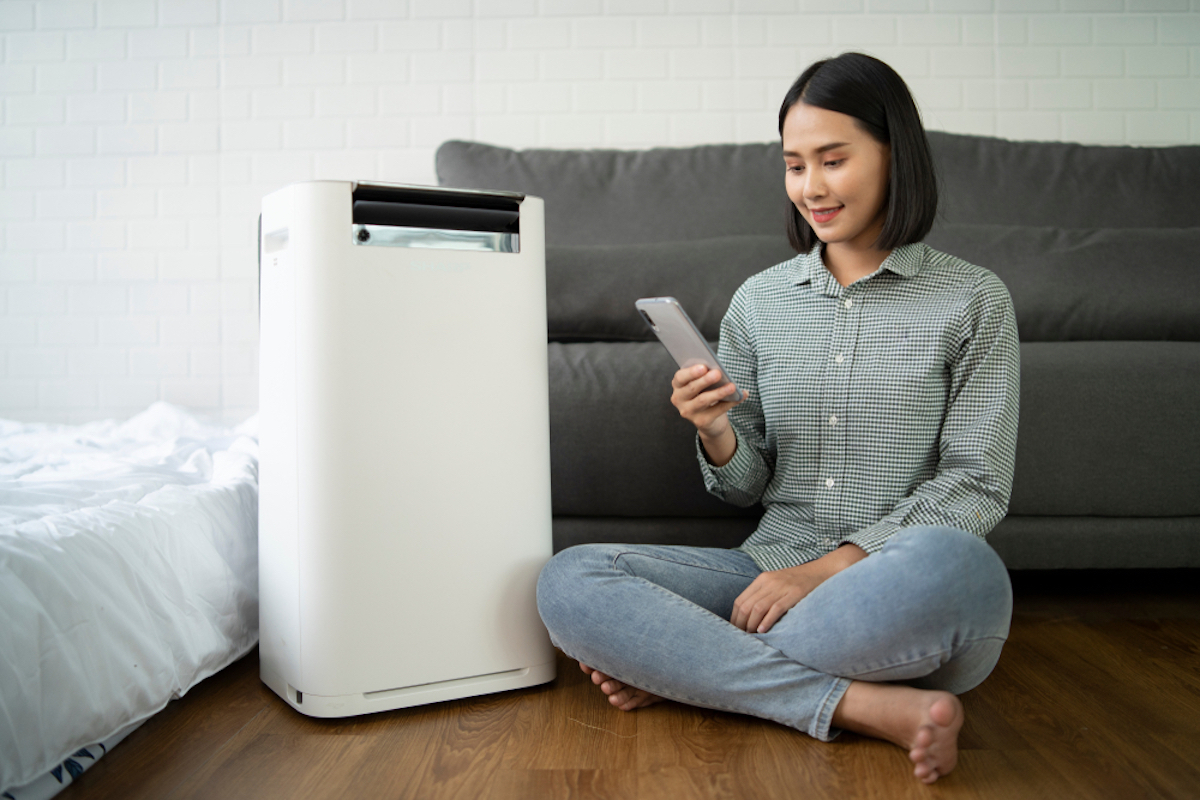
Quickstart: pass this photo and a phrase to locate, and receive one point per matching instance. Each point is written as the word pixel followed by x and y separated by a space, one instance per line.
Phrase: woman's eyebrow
pixel 823 148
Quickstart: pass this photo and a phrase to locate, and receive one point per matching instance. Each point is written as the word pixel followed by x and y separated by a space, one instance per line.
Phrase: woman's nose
pixel 814 186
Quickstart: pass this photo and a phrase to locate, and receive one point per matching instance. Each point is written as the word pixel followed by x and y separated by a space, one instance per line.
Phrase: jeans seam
pixel 824 718
pixel 672 561
pixel 974 640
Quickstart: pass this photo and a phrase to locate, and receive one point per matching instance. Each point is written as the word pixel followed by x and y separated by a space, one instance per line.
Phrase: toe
pixel 924 738
pixel 944 711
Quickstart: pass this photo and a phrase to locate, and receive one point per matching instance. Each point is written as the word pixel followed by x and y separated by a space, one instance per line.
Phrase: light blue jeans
pixel 932 610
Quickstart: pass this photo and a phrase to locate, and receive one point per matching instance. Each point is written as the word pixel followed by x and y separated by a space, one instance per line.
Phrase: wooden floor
pixel 1097 695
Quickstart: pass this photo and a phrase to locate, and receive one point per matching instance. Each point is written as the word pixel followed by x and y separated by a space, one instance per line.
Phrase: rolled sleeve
pixel 741 481
pixel 872 538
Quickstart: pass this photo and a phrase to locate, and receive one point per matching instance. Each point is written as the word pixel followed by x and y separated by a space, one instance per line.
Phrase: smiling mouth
pixel 825 214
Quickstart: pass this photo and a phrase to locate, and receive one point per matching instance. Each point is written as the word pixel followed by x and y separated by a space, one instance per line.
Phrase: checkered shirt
pixel 888 403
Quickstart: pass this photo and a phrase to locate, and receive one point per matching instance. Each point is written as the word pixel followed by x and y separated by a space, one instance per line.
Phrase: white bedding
pixel 128 573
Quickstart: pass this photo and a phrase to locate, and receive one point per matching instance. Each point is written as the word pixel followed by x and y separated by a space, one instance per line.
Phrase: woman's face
pixel 837 175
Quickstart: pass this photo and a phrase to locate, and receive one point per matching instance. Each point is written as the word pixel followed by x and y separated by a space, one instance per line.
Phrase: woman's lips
pixel 825 214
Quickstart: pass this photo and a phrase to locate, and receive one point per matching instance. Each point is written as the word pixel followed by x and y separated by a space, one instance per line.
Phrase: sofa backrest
pixel 1094 243
pixel 670 194
pixel 632 196
pixel 993 181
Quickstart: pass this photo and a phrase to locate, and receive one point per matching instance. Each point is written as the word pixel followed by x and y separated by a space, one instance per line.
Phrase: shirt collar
pixel 905 261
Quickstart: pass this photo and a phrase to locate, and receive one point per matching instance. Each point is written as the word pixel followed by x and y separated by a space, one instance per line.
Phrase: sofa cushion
pixel 1099 420
pixel 1108 429
pixel 590 289
pixel 1088 284
pixel 617 445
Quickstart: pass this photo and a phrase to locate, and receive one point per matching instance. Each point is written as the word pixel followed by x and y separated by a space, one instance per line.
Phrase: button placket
pixel 833 450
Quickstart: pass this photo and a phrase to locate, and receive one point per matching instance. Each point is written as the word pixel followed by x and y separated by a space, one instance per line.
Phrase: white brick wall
pixel 139 135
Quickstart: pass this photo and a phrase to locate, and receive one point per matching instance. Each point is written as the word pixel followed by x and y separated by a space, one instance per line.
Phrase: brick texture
pixel 139 136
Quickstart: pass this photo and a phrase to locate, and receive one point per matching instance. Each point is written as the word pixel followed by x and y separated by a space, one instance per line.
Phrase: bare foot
pixel 934 749
pixel 621 695
pixel 926 723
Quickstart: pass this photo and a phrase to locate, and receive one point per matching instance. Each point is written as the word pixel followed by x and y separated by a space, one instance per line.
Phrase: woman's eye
pixel 836 163
pixel 797 168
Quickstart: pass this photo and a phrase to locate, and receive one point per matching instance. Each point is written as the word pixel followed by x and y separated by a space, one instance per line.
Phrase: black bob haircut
pixel 870 91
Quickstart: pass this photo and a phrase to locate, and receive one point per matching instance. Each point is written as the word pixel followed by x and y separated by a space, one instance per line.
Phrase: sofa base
pixel 1097 542
pixel 1023 542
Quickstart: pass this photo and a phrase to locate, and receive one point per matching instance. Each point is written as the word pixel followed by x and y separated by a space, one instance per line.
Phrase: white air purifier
pixel 404 508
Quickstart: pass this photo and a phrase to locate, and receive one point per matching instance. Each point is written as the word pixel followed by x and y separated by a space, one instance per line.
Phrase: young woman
pixel 878 433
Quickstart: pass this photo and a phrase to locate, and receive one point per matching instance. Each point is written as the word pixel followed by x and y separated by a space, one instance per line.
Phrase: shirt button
pixel 833 419
pixel 839 358
pixel 829 482
pixel 849 302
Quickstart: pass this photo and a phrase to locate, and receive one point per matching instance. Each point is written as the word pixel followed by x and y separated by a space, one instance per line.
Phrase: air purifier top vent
pixel 436 208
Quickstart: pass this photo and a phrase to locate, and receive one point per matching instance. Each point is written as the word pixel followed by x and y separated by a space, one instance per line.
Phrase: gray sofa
pixel 1097 245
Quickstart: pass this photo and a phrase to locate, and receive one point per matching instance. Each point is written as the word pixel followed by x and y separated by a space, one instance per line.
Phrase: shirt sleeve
pixel 977 447
pixel 744 479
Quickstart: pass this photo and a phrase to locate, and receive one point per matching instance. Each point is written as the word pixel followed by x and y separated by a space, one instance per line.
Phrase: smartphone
pixel 681 337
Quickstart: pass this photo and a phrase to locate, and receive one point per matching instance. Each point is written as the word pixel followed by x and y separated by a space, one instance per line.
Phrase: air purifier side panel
pixel 279 609
pixel 324 266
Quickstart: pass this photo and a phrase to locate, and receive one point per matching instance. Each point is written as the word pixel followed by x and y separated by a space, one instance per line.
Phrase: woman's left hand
pixel 771 595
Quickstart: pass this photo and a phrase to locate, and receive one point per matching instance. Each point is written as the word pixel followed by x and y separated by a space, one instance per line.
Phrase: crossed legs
pixel 881 648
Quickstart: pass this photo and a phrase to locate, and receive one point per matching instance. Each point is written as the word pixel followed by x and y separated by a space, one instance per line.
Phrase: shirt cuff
pixel 872 538
pixel 733 475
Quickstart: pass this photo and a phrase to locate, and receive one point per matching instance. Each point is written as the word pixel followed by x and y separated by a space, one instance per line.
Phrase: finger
pixel 757 614
pixel 727 392
pixel 773 615
pixel 687 375
pixel 706 379
pixel 738 619
pixel 739 615
pixel 743 606
pixel 750 617
pixel 764 601
pixel 707 400
pixel 685 392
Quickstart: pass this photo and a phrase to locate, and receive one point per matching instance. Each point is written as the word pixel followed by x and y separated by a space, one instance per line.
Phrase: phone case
pixel 683 340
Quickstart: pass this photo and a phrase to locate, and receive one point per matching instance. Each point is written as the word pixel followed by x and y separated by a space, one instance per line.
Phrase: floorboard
pixel 1097 695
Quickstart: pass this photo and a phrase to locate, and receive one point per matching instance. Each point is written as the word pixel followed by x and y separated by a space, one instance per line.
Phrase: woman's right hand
pixel 705 407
